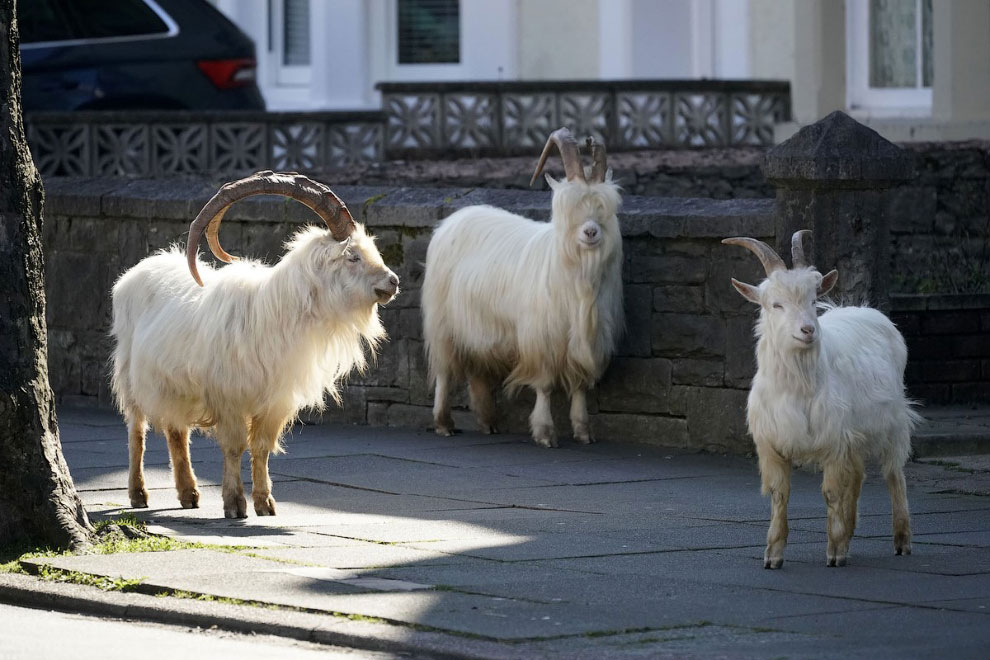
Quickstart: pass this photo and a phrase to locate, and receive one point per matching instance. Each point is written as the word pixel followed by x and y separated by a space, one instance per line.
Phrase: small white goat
pixel 250 346
pixel 828 391
pixel 533 303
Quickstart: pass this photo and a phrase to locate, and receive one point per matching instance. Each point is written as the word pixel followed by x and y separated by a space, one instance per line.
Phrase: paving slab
pixel 582 552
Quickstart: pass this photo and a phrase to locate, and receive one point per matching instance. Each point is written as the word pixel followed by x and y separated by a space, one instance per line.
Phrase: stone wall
pixel 940 222
pixel 948 338
pixel 679 379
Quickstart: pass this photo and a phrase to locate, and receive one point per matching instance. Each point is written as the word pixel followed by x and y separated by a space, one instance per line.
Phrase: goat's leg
pixel 182 472
pixel 262 439
pixel 232 437
pixel 840 487
pixel 137 428
pixel 775 477
pixel 443 423
pixel 900 516
pixel 482 403
pixel 541 421
pixel 579 417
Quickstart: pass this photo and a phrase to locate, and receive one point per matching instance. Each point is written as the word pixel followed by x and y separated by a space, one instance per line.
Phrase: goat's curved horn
pixel 600 162
pixel 798 260
pixel 568 148
pixel 768 256
pixel 313 194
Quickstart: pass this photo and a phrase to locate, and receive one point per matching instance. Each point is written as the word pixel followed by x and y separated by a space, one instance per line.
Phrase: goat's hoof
pixel 544 437
pixel 773 563
pixel 235 509
pixel 488 429
pixel 444 431
pixel 189 499
pixel 265 507
pixel 904 549
pixel 583 438
pixel 139 498
pixel 836 561
pixel 902 544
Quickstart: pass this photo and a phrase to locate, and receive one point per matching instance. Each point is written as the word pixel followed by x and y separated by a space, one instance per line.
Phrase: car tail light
pixel 226 74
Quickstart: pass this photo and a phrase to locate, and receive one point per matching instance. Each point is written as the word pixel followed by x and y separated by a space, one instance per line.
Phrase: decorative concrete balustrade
pixel 180 142
pixel 505 118
pixel 417 120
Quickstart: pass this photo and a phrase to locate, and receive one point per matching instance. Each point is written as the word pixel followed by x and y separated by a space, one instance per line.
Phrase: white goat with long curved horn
pixel 828 391
pixel 250 346
pixel 509 299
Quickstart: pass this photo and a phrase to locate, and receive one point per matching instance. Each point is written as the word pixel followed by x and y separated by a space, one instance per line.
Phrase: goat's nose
pixel 807 330
pixel 591 232
pixel 393 279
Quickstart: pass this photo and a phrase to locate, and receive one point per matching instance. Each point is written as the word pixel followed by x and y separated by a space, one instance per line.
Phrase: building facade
pixel 912 69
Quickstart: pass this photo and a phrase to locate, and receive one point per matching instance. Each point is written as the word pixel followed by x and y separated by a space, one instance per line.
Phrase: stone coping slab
pixel 180 198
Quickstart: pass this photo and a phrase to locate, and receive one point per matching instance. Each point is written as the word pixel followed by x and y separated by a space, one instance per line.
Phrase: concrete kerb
pixel 29 591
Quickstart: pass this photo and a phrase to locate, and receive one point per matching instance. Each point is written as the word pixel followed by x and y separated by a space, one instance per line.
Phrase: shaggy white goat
pixel 248 347
pixel 828 391
pixel 530 303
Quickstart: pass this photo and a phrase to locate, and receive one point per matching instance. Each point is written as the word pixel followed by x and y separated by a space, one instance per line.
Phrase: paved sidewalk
pixel 488 546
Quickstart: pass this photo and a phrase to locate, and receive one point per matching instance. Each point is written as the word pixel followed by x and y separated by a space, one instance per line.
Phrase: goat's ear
pixel 828 282
pixel 747 291
pixel 552 182
pixel 608 175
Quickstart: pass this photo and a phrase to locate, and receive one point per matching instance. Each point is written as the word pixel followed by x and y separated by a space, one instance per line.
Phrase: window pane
pixel 429 31
pixel 927 61
pixel 42 20
pixel 893 43
pixel 295 33
pixel 122 18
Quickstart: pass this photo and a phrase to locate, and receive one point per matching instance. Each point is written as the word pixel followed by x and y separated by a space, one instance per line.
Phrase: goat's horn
pixel 600 162
pixel 768 256
pixel 798 260
pixel 568 148
pixel 313 194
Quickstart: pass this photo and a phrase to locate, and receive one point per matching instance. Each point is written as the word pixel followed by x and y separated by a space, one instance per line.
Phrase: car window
pixel 43 20
pixel 65 20
pixel 99 19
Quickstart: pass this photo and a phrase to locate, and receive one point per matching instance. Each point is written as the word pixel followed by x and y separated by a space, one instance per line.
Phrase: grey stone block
pixel 707 373
pixel 410 207
pixel 635 385
pixel 678 298
pixel 716 417
pixel 647 429
pixel 740 351
pixel 688 335
pixel 636 341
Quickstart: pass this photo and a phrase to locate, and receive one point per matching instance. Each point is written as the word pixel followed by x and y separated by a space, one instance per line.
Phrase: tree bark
pixel 38 501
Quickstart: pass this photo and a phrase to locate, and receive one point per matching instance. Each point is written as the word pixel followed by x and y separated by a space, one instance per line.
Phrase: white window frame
pixel 296 75
pixel 905 102
pixel 396 71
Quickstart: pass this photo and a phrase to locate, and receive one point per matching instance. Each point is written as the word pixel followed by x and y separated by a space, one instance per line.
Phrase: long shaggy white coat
pixel 527 303
pixel 245 352
pixel 829 392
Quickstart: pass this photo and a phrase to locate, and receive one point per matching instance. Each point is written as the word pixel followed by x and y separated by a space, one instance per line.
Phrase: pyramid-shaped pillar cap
pixel 838 152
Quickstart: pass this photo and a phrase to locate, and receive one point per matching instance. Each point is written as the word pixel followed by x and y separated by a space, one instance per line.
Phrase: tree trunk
pixel 38 501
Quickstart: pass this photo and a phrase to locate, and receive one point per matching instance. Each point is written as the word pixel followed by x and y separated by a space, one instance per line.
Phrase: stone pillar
pixel 961 41
pixel 832 177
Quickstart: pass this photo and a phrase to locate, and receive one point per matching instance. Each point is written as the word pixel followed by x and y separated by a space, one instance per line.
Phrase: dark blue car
pixel 134 55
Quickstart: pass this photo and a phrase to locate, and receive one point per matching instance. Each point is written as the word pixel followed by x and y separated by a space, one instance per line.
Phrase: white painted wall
pixel 662 39
pixel 771 39
pixel 559 39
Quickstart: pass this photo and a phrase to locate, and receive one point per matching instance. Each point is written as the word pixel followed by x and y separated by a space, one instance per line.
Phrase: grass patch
pixel 53 574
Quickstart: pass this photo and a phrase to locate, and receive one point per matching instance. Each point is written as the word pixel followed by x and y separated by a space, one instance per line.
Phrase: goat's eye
pixel 778 306
pixel 354 257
